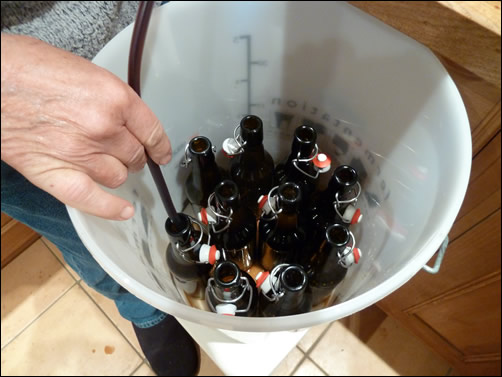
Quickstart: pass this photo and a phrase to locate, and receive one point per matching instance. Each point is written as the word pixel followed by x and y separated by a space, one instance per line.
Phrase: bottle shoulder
pixel 326 261
pixel 183 268
pixel 241 231
pixel 198 186
pixel 252 161
pixel 296 303
pixel 285 238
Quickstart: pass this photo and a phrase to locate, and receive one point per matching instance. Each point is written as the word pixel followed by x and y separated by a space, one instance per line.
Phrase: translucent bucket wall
pixel 379 101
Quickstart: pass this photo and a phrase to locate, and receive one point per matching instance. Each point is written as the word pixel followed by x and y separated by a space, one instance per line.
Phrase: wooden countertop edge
pixel 465 32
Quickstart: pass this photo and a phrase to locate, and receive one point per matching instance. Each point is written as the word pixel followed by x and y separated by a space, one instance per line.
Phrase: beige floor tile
pixel 365 323
pixel 30 284
pixel 312 335
pixel 144 370
pixel 109 307
pixel 341 353
pixel 59 255
pixel 208 367
pixel 286 367
pixel 308 368
pixel 390 350
pixel 407 354
pixel 72 338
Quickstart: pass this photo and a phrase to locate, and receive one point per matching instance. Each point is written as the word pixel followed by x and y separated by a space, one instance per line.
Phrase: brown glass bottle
pixel 291 287
pixel 267 220
pixel 232 291
pixel 183 258
pixel 327 266
pixel 303 173
pixel 286 242
pixel 322 213
pixel 237 235
pixel 266 224
pixel 341 186
pixel 205 173
pixel 253 169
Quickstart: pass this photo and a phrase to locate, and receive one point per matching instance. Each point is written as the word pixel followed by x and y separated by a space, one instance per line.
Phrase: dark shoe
pixel 169 349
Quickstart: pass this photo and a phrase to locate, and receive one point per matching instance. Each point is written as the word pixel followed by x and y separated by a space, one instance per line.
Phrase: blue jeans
pixel 45 214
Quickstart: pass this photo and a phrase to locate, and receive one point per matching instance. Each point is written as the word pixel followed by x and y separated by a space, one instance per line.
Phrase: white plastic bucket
pixel 379 100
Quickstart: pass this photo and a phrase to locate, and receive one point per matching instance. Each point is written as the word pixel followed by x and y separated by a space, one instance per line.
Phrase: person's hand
pixel 68 125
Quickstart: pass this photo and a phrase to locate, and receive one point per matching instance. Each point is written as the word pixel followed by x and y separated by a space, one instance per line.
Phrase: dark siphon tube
pixel 134 74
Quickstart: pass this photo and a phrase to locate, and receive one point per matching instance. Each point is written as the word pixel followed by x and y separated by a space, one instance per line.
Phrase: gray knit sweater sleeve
pixel 81 27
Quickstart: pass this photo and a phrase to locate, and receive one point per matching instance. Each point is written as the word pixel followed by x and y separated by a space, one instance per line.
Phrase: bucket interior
pixel 379 101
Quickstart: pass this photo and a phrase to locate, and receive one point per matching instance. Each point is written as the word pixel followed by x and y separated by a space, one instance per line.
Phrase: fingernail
pixel 127 213
pixel 165 160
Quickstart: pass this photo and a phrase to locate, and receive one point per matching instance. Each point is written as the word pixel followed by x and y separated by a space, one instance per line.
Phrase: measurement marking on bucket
pixel 311 115
pixel 249 63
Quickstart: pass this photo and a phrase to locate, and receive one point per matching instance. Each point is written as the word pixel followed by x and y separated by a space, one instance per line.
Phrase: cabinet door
pixel 16 237
pixel 457 311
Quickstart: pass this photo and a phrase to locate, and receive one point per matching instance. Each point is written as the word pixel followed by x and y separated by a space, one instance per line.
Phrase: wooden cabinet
pixel 458 311
pixel 15 238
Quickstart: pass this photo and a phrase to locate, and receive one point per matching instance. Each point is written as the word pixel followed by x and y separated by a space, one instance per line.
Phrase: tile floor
pixel 43 334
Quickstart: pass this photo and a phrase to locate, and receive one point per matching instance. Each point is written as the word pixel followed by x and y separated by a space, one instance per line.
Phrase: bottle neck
pixel 330 255
pixel 229 204
pixel 333 246
pixel 292 299
pixel 252 130
pixel 254 152
pixel 234 205
pixel 205 175
pixel 301 150
pixel 227 196
pixel 294 282
pixel 342 183
pixel 203 162
pixel 227 293
pixel 289 203
pixel 334 187
pixel 241 232
pixel 180 234
pixel 228 282
pixel 287 220
pixel 297 172
pixel 184 237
